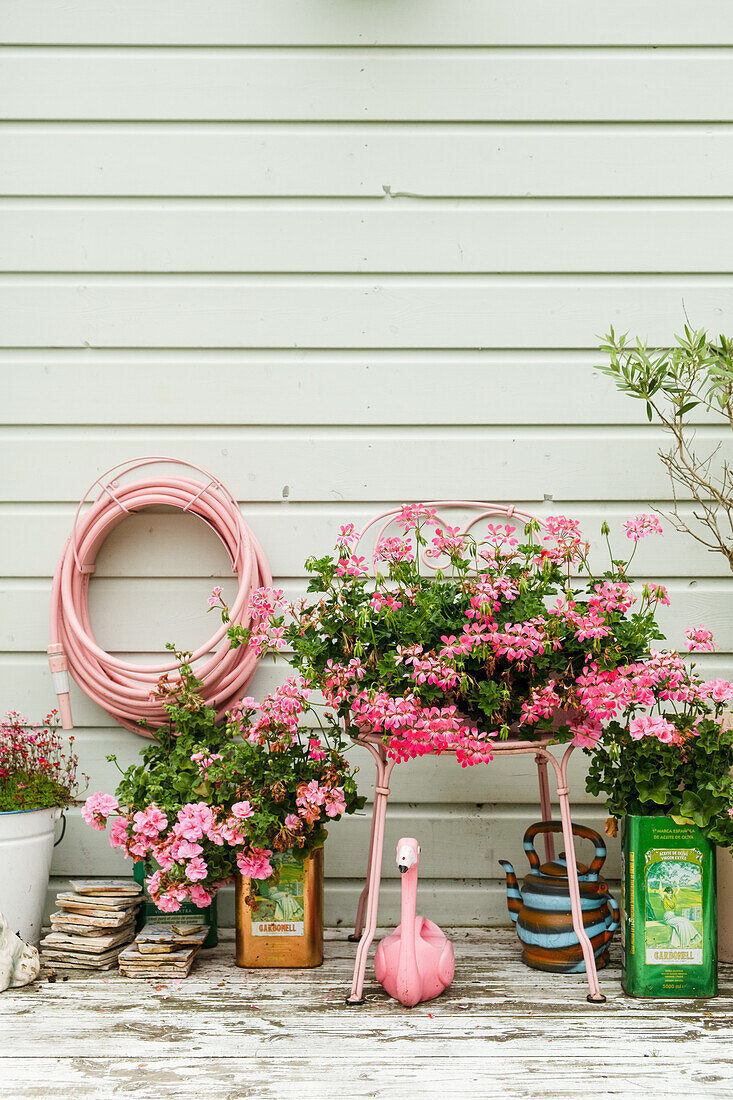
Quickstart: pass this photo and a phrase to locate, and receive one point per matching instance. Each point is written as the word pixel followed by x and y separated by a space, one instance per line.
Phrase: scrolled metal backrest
pixel 485 510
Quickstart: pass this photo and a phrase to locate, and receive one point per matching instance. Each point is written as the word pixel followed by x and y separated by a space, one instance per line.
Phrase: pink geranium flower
pixel 200 897
pixel 242 810
pixel 256 864
pixel 118 836
pixel 98 808
pixel 150 822
pixel 720 691
pixel 196 869
pixel 194 821
pixel 167 903
pixel 647 726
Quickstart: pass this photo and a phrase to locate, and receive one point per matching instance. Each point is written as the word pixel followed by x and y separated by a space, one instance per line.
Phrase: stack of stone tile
pixel 94 921
pixel 162 951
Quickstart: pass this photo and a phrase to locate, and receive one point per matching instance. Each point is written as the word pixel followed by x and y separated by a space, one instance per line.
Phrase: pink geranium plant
pixel 212 799
pixel 665 748
pixel 512 634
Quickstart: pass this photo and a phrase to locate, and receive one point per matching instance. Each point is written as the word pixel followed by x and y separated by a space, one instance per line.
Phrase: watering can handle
pixel 581 831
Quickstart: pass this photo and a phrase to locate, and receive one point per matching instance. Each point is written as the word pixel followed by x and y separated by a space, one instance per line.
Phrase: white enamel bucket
pixel 26 849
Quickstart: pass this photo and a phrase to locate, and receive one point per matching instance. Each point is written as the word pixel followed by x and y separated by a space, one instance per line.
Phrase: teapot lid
pixel 559 868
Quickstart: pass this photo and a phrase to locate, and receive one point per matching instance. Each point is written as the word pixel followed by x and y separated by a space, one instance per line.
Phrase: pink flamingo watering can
pixel 415 962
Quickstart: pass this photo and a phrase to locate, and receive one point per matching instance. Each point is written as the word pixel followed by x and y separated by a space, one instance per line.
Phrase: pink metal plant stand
pixel 367 910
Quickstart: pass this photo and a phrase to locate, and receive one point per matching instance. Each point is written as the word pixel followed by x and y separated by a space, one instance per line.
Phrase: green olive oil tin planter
pixel 188 914
pixel 669 931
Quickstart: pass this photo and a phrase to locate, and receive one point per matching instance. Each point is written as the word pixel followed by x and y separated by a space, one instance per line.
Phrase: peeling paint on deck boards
pixel 272 1035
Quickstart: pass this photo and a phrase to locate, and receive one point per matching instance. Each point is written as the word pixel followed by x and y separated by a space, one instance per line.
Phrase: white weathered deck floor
pixel 501 1030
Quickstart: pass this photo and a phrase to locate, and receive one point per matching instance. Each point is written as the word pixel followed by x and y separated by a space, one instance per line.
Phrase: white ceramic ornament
pixel 19 962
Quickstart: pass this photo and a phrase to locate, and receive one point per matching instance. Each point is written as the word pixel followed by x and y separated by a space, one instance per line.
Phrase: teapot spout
pixel 513 893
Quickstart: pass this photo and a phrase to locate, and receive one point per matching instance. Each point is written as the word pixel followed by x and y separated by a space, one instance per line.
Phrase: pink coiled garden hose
pixel 122 688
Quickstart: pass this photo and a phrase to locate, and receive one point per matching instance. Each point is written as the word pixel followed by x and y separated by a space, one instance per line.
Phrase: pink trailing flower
pixel 427 668
pixel 315 749
pixel 415 515
pixel 500 541
pixel 448 541
pixel 348 535
pixel 233 832
pixel 567 538
pixel 98 808
pixel 609 596
pixel 587 734
pixel 543 703
pixel 393 550
pixel 352 567
pixel 638 527
pixel 380 600
pixel 184 849
pixel 215 597
pixel 699 639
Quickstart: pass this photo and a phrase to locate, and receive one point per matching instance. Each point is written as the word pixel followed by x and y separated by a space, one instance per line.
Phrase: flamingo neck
pixel 407 916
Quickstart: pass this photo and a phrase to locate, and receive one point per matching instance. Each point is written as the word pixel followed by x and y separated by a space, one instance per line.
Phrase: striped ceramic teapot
pixel 541 907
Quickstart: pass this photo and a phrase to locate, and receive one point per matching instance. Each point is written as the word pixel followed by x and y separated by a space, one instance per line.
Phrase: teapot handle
pixel 581 831
pixel 614 917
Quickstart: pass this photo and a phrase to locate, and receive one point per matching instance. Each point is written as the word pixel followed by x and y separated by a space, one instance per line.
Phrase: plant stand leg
pixel 381 795
pixel 361 906
pixel 545 804
pixel 594 992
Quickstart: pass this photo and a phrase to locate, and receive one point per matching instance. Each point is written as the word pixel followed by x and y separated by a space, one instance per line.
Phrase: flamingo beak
pixel 406 858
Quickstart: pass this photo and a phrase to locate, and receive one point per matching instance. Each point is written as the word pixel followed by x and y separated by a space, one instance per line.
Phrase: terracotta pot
pixel 286 927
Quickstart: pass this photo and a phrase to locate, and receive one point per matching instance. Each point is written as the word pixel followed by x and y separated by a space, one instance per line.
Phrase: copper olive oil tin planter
pixel 668 902
pixel 188 914
pixel 286 927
